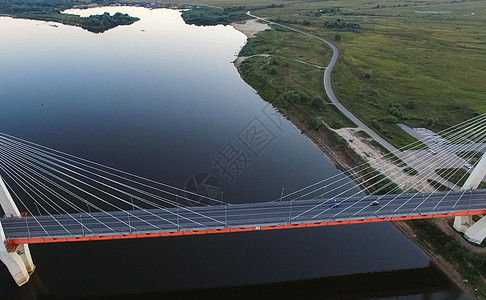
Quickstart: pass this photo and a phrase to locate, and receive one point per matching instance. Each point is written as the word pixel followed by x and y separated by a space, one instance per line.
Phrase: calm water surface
pixel 161 99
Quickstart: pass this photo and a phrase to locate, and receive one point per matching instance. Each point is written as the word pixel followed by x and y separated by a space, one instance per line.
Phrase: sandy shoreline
pixel 250 27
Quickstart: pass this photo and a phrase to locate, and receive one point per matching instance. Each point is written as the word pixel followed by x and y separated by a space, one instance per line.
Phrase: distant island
pixel 51 11
pixel 96 23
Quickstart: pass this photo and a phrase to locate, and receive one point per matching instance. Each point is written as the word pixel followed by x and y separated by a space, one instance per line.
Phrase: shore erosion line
pixel 342 159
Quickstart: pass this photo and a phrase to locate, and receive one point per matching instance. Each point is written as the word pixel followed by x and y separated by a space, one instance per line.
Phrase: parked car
pixel 375 203
pixel 468 166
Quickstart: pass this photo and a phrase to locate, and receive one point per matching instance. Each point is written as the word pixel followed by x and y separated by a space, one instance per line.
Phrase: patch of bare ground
pixel 250 27
pixel 377 160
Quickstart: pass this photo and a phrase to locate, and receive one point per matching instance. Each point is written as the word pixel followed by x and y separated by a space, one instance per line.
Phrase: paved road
pixel 241 215
pixel 328 86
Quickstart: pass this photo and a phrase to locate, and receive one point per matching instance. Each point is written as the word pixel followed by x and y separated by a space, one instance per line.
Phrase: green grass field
pixel 286 68
pixel 402 55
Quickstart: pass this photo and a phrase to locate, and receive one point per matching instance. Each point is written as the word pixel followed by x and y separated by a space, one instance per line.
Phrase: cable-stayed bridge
pixel 64 198
pixel 241 217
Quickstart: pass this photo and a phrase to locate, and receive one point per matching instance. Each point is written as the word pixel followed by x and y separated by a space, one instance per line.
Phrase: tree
pixel 337 37
pixel 318 103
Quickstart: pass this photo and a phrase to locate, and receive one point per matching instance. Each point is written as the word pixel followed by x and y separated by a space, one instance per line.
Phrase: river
pixel 162 99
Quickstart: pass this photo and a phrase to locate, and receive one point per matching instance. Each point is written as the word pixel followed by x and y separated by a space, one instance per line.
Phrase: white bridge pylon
pixel 16 258
pixel 475 232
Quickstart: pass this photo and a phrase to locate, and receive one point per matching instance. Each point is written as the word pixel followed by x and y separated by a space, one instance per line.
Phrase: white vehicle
pixel 468 166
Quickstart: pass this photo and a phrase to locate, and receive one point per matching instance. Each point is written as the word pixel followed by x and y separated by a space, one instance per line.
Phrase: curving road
pixel 328 86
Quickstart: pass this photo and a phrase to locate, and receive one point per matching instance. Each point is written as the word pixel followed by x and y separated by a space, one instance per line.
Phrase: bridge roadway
pixel 240 217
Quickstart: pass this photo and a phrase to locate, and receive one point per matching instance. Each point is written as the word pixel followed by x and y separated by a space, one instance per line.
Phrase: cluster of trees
pixel 341 25
pixel 208 16
pixel 299 98
pixel 18 8
pixel 295 97
pixel 291 21
pixel 268 6
pixel 329 11
pixel 93 23
pixel 101 23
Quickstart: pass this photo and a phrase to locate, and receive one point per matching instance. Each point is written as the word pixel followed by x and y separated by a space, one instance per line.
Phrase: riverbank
pixel 447 268
pixel 347 149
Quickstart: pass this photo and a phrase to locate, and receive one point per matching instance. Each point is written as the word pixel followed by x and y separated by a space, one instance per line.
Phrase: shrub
pixel 318 103
pixel 411 105
pixel 315 123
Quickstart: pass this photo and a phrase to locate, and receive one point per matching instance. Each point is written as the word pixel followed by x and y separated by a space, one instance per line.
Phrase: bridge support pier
pixel 18 262
pixel 473 232
pixel 462 223
pixel 477 232
pixel 17 258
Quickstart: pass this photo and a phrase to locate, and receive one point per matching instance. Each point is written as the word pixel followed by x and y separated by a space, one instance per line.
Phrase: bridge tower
pixel 16 257
pixel 474 232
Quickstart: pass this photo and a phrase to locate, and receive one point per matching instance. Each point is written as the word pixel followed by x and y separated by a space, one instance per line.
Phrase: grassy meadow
pixel 286 68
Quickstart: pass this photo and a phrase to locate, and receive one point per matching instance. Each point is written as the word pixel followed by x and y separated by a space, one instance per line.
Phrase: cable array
pixel 76 193
pixel 56 183
pixel 440 151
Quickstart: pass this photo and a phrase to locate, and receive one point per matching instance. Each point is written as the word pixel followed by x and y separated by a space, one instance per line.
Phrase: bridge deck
pixel 238 217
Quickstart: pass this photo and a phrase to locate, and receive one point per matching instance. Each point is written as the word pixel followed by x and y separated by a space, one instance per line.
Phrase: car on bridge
pixel 335 204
